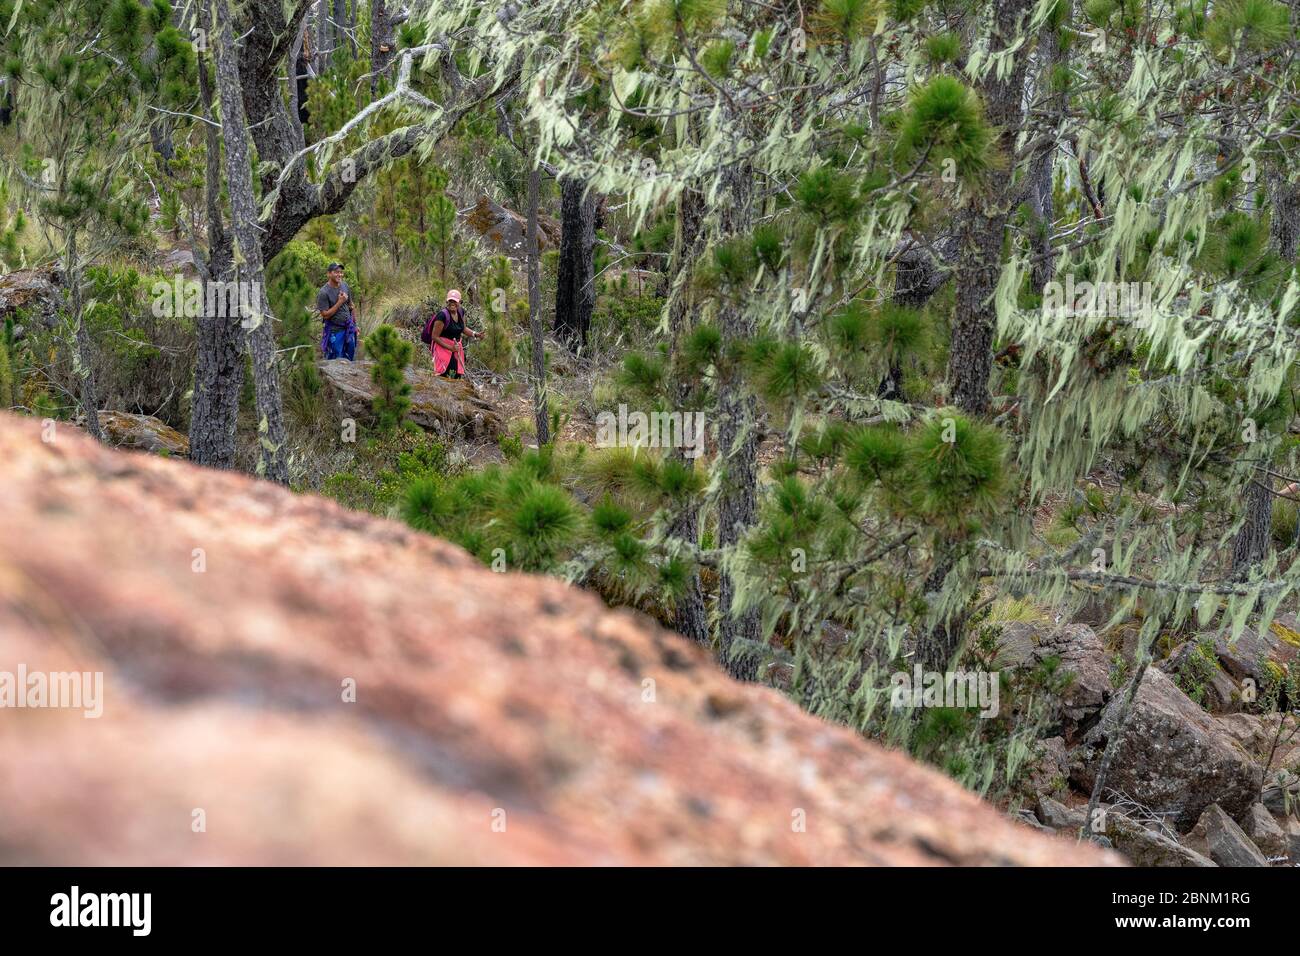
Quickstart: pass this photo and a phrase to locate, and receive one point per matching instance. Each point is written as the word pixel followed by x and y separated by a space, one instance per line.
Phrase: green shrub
pixel 392 354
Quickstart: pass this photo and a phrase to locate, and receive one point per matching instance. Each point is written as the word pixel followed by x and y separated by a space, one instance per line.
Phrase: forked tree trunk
pixel 273 454
pixel 219 363
pixel 575 292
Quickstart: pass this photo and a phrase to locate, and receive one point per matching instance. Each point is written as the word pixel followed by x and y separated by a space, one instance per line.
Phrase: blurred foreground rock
pixel 498 718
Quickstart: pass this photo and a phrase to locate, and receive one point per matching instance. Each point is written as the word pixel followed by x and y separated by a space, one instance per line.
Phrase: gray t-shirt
pixel 326 298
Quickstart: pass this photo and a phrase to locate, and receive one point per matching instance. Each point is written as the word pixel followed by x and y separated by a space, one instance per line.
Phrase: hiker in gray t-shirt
pixel 338 312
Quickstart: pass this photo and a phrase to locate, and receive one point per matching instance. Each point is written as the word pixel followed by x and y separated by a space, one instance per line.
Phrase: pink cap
pixel 454 296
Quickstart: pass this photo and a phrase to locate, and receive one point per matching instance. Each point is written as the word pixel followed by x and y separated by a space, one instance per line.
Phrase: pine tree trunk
pixel 297 85
pixel 324 36
pixel 575 293
pixel 737 452
pixel 273 457
pixel 916 279
pixel 383 43
pixel 219 363
pixel 535 308
pixel 344 27
pixel 979 262
pixel 690 615
pixel 1252 541
pixel 1284 219
pixel 937 646
pixel 1041 198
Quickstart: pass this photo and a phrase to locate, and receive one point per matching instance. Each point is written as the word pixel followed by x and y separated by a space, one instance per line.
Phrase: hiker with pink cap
pixel 444 332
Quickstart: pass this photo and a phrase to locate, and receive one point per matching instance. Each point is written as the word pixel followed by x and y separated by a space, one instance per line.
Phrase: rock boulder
pixel 294 675
pixel 32 293
pixel 1174 759
pixel 507 230
pixel 1265 832
pixel 451 408
pixel 1080 652
pixel 143 432
pixel 1217 835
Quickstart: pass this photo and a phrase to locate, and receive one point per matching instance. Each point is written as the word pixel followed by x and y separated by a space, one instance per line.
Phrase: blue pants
pixel 340 343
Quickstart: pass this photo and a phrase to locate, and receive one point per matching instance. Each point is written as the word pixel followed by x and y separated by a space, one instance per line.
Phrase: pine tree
pixel 391 354
pixel 292 297
pixel 8 377
pixel 86 72
pixel 884 221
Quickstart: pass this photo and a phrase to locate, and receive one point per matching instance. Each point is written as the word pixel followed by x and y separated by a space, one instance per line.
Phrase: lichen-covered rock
pixel 1049 771
pixel 143 432
pixel 31 293
pixel 1250 652
pixel 451 408
pixel 1272 740
pixel 1195 667
pixel 507 230
pixel 1173 759
pixel 321 686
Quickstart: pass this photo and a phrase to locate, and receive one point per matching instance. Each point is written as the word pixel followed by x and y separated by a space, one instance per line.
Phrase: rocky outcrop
pixel 1141 844
pixel 288 682
pixel 31 295
pixel 1217 836
pixel 1265 832
pixel 143 432
pixel 1146 846
pixel 451 408
pixel 1080 653
pixel 1174 759
pixel 507 230
pixel 1252 651
pixel 1058 816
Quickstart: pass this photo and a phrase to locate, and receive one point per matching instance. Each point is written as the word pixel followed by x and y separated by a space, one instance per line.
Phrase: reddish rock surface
pixel 480 697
